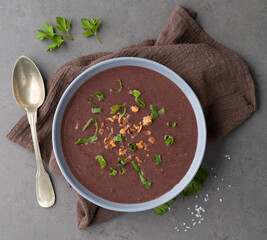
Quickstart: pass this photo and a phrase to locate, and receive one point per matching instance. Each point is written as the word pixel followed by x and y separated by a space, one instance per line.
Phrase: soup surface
pixel 160 154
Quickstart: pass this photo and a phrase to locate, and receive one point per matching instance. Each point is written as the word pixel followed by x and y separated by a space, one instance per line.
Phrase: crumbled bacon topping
pixel 138 159
pixel 130 132
pixel 135 108
pixel 146 120
pixel 124 130
pixel 122 151
pixel 152 140
pixel 140 144
pixel 101 131
pixel 110 142
pixel 138 127
pixel 146 147
pixel 110 119
pixel 147 132
pixel 102 125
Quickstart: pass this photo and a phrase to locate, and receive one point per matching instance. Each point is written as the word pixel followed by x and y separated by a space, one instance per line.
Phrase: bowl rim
pixel 139 62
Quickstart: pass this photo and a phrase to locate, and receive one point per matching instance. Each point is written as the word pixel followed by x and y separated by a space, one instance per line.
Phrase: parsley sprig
pixel 91 27
pixel 160 210
pixel 194 186
pixel 58 39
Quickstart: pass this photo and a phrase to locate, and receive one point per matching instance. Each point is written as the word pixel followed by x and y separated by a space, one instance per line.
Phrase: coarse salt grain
pixel 221 200
pixel 184 223
pixel 218 189
pixel 194 223
pixel 211 169
pixel 185 230
pixel 215 176
pixel 229 186
pixel 188 208
pixel 199 222
pixel 188 227
pixel 178 230
pixel 192 213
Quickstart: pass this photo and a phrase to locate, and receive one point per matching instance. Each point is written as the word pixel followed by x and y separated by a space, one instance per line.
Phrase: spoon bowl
pixel 28 86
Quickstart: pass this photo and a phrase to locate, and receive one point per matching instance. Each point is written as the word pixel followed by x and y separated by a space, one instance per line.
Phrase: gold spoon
pixel 28 89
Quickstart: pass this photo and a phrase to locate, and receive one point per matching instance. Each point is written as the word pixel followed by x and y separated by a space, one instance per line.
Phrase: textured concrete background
pixel 242 214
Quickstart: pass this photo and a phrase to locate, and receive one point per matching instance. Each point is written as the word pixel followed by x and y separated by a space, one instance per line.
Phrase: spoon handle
pixel 44 189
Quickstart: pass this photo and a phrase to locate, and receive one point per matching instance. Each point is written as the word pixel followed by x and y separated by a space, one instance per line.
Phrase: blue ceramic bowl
pixel 140 62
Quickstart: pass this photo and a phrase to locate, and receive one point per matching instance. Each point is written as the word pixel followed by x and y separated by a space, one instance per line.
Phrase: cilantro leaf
pixel 160 210
pixel 196 184
pixel 91 27
pixel 49 33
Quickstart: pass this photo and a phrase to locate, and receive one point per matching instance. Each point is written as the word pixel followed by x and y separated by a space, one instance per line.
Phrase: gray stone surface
pixel 238 24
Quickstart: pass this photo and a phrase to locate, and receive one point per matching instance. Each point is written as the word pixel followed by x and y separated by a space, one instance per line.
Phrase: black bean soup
pixel 129 134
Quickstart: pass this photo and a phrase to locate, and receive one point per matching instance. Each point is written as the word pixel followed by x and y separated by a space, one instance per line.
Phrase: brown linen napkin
pixel 220 79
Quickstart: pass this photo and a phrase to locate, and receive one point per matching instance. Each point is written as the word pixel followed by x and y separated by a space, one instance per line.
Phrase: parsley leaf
pixel 160 210
pixel 91 27
pixel 58 39
pixel 196 184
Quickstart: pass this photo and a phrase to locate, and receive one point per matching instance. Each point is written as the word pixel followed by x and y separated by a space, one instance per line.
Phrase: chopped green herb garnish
pixel 117 91
pixel 90 139
pixel 155 113
pixel 90 101
pixel 97 110
pixel 132 146
pixel 88 123
pixel 169 140
pixel 196 184
pixel 161 111
pixel 171 124
pixel 119 138
pixel 124 111
pixel 135 166
pixel 122 171
pixel 136 93
pixel 158 159
pixel 140 102
pixel 87 140
pixel 121 161
pixel 100 96
pixel 147 183
pixel 142 178
pixel 160 210
pixel 113 172
pixel 91 27
pixel 101 161
pixel 117 108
